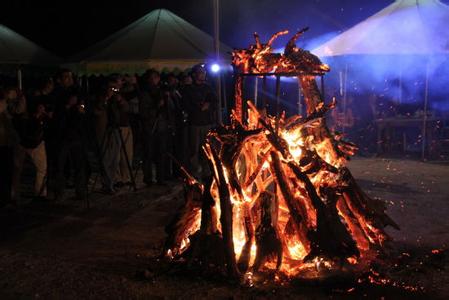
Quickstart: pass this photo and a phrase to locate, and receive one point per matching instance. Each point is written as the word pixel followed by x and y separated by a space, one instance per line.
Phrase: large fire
pixel 280 198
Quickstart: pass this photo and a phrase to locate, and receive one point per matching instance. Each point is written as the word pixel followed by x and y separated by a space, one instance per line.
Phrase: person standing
pixel 44 96
pixel 201 106
pixel 8 140
pixel 30 133
pixel 125 161
pixel 72 143
pixel 106 116
pixel 30 128
pixel 156 111
pixel 131 92
pixel 179 138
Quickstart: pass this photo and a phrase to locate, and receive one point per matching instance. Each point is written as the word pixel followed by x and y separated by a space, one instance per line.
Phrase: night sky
pixel 66 27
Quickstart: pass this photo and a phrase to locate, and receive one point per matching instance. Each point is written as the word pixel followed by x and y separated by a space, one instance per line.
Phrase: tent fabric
pixel 159 39
pixel 404 27
pixel 16 49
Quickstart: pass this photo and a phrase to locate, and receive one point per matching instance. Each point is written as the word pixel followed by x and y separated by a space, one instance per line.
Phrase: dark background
pixel 66 27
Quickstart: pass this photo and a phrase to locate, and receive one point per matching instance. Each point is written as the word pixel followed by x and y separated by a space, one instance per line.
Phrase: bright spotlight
pixel 215 68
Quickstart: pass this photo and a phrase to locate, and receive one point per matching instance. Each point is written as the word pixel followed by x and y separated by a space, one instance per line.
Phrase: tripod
pixel 106 143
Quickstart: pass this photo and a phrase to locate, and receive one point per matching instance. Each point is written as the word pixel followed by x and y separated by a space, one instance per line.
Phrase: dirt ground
pixel 67 251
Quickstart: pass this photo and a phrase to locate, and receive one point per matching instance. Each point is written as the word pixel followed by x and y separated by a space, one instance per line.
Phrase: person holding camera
pixel 156 110
pixel 201 106
pixel 107 115
pixel 70 120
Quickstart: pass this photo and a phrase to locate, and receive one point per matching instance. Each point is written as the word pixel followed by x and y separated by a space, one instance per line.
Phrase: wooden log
pixel 331 238
pixel 268 242
pixel 208 217
pixel 239 98
pixel 179 229
pixel 319 113
pixel 293 205
pixel 278 143
pixel 312 95
pixel 245 256
pixel 232 140
pixel 226 212
pixel 354 226
pixel 372 209
pixel 256 172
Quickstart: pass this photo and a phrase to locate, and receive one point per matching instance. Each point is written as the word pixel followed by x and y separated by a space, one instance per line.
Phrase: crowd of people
pixel 127 124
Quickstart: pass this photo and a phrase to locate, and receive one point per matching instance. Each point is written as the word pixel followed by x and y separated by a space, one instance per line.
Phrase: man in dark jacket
pixel 8 140
pixel 156 111
pixel 71 136
pixel 201 106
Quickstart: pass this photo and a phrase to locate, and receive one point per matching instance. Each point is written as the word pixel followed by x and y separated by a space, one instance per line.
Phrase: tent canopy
pixel 16 49
pixel 404 27
pixel 159 39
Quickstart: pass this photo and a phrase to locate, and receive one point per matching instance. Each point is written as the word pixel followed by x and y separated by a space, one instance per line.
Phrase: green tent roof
pixel 159 39
pixel 16 49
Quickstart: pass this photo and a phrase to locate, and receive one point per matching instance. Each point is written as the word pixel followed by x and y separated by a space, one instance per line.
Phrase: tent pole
pixel 299 97
pixel 322 87
pixel 217 53
pixel 345 94
pixel 225 97
pixel 340 76
pixel 424 125
pixel 278 101
pixel 400 84
pixel 256 83
pixel 264 92
pixel 19 78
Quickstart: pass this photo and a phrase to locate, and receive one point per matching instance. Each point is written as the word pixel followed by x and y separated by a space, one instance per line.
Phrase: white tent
pixel 158 40
pixel 18 50
pixel 406 27
pixel 390 30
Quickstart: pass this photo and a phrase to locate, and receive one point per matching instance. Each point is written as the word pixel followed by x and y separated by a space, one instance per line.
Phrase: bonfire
pixel 281 199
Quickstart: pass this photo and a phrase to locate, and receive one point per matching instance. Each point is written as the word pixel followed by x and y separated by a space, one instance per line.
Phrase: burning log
pixel 245 256
pixel 311 95
pixel 268 242
pixel 371 208
pixel 293 205
pixel 226 211
pixel 238 98
pixel 232 141
pixel 330 238
pixel 185 221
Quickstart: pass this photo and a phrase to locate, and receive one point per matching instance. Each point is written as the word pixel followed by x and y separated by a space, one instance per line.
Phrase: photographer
pixel 123 173
pixel 107 120
pixel 201 105
pixel 70 121
pixel 31 133
pixel 157 115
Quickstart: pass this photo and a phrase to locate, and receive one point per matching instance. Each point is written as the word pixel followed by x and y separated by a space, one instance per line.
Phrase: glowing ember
pixel 280 198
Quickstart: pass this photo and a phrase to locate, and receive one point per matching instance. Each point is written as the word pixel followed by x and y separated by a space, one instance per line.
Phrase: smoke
pixel 399 77
pixel 394 76
pixel 396 55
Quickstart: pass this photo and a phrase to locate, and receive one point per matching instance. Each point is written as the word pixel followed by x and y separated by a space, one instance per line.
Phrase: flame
pixel 251 157
pixel 286 179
